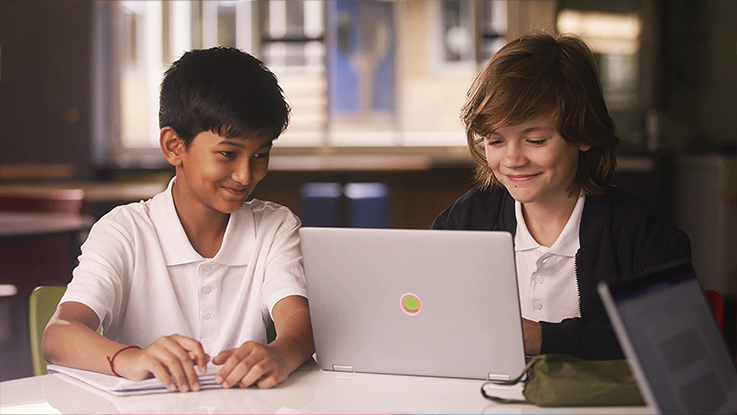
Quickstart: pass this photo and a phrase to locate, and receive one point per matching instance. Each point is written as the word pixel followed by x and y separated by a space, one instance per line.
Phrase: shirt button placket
pixel 208 324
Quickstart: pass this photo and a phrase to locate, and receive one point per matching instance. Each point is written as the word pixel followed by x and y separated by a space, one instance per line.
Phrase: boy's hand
pixel 251 363
pixel 168 357
pixel 267 366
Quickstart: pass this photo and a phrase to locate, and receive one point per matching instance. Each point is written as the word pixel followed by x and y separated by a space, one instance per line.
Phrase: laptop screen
pixel 414 302
pixel 668 331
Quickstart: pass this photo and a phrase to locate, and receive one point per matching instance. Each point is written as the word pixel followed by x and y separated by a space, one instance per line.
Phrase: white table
pixel 308 390
pixel 16 224
pixel 94 192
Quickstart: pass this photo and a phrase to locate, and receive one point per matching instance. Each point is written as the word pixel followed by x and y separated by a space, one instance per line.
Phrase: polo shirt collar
pixel 523 240
pixel 567 243
pixel 239 238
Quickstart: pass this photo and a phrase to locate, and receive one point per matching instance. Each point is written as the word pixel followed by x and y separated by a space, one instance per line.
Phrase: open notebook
pixel 122 387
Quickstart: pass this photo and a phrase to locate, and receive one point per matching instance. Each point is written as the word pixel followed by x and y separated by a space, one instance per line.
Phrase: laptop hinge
pixel 342 368
pixel 494 376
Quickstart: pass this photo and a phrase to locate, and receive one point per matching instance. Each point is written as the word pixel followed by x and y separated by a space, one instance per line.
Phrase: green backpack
pixel 562 380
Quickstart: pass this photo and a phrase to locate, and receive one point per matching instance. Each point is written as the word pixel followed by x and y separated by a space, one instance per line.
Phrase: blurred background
pixel 376 88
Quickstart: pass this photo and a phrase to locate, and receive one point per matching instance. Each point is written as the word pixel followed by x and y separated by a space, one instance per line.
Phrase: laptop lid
pixel 414 302
pixel 672 342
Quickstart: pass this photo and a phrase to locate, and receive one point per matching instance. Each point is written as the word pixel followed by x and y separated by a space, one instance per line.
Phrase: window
pixel 354 72
pixel 361 74
pixel 470 33
pixel 493 28
pixel 134 43
pixel 458 34
pixel 614 37
pixel 292 35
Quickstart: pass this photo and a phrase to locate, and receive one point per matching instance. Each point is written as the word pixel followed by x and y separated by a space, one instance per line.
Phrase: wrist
pixel 116 358
pixel 288 353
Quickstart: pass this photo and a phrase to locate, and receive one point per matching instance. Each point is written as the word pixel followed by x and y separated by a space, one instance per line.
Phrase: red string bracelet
pixel 111 359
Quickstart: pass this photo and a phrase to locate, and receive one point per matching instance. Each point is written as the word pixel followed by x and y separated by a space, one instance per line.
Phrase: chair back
pixel 716 302
pixel 49 200
pixel 60 250
pixel 42 305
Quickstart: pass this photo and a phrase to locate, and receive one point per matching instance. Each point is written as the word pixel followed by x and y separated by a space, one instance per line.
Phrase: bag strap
pixel 511 382
pixel 501 400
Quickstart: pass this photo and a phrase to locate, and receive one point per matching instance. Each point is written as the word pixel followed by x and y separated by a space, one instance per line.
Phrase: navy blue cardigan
pixel 620 234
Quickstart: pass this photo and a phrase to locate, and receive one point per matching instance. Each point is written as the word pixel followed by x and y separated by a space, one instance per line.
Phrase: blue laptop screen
pixel 677 342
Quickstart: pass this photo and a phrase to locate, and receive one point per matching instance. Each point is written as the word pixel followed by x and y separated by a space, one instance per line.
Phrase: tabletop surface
pixel 307 390
pixel 37 223
pixel 95 192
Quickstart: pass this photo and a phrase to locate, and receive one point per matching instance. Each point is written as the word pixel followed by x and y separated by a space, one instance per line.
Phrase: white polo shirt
pixel 546 277
pixel 143 279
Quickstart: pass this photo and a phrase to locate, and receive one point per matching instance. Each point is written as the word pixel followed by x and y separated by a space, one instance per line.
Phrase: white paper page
pixel 120 386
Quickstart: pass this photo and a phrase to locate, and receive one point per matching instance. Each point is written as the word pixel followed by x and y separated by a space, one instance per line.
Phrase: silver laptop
pixel 672 342
pixel 414 302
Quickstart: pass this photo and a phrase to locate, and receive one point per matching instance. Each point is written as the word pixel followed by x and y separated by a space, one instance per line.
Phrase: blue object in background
pixel 321 204
pixel 342 77
pixel 367 205
pixel 355 205
pixel 360 57
pixel 383 90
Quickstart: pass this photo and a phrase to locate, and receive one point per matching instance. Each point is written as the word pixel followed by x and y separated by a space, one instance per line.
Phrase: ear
pixel 584 147
pixel 171 145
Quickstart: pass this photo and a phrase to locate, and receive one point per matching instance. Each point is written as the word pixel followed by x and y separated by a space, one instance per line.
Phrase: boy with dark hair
pixel 538 129
pixel 198 270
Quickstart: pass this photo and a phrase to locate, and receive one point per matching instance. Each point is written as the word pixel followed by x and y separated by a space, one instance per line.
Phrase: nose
pixel 242 173
pixel 514 155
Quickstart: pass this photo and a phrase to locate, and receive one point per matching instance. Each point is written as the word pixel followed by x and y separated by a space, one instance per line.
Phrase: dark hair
pixel 223 90
pixel 542 75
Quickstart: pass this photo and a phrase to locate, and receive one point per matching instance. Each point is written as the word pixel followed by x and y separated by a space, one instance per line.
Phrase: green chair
pixel 42 305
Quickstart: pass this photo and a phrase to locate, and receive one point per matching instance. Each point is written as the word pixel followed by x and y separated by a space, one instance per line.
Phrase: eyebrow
pixel 239 145
pixel 529 130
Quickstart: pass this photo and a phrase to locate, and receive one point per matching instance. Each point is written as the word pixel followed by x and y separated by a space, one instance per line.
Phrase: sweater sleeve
pixel 589 341
pixel 461 214
pixel 476 210
pixel 442 220
pixel 631 237
pixel 644 239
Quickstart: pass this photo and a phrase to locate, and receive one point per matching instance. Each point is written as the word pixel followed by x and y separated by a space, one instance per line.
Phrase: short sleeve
pixel 99 280
pixel 284 271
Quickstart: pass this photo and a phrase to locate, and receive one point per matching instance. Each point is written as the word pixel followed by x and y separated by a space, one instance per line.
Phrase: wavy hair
pixel 543 75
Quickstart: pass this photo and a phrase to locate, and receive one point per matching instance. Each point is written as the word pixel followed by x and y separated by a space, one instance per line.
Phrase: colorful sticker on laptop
pixel 410 304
